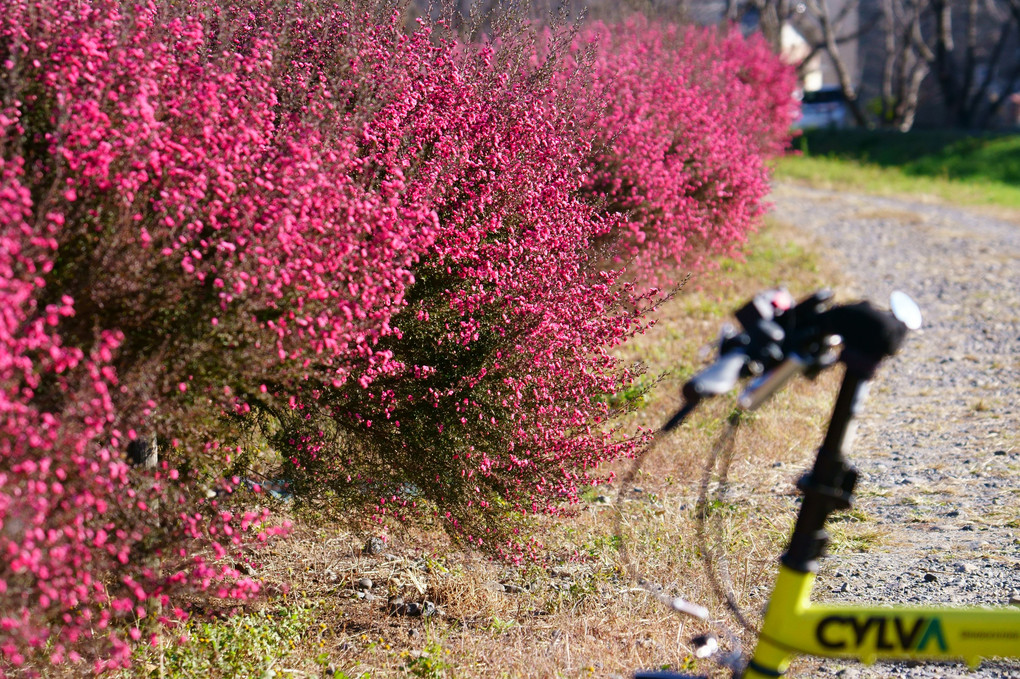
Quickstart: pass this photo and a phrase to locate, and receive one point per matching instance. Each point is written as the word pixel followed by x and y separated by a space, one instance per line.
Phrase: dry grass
pixel 580 614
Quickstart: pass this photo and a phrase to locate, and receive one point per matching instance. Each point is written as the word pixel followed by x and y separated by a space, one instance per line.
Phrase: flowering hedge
pixel 87 548
pixel 689 119
pixel 311 245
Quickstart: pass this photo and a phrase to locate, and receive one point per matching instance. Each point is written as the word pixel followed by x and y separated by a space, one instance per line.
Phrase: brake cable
pixel 720 578
pixel 721 450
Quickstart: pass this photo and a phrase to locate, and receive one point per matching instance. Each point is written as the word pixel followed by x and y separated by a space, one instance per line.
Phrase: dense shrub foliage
pixel 311 247
pixel 690 117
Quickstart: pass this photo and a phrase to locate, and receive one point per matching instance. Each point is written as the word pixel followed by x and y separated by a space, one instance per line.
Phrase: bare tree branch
pixel 969 55
pixel 820 9
pixel 973 86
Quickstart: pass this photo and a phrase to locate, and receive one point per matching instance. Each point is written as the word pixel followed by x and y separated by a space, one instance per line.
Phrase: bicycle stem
pixel 830 484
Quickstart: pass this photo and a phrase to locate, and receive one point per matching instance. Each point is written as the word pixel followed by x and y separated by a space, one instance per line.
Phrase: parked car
pixel 825 107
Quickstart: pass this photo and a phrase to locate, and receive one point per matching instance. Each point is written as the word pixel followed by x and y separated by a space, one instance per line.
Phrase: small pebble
pixel 374 546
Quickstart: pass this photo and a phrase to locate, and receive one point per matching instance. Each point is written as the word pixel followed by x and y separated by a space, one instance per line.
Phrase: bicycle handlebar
pixel 762 388
pixel 866 330
pixel 780 339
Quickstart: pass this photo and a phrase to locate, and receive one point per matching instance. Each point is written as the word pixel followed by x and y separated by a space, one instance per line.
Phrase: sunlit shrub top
pixel 683 119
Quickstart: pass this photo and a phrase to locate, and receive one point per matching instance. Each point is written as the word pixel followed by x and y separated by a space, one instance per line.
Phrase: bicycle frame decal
pixel 838 632
pixel 870 633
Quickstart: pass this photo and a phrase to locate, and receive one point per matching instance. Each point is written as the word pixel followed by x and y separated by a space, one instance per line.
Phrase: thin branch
pixel 821 12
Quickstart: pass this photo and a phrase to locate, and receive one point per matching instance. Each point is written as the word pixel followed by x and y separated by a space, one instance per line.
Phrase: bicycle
pixel 778 340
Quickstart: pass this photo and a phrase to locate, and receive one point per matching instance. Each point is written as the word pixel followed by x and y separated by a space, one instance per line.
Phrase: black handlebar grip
pixel 865 329
pixel 717 378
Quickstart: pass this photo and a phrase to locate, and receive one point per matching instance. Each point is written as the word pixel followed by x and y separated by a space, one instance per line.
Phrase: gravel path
pixel 939 442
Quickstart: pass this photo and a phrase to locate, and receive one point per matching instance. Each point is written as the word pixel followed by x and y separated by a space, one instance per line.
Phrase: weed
pixel 429 663
pixel 853 538
pixel 498 627
pixel 243 645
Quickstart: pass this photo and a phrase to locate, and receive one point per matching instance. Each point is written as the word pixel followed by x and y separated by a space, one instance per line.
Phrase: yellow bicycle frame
pixel 795 626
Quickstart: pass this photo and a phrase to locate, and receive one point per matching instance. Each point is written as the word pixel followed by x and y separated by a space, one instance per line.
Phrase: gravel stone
pixel 374 546
pixel 413 609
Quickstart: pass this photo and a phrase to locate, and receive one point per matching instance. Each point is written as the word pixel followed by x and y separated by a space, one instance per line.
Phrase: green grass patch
pixel 771 251
pixel 242 645
pixel 950 165
pixel 773 257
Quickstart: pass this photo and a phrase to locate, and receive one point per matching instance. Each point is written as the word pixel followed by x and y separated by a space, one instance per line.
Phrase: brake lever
pixel 761 388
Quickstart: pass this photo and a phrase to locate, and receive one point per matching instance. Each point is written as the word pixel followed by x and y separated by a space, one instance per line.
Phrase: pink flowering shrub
pixel 306 245
pixel 689 119
pixel 479 400
pixel 90 314
pixel 87 549
pixel 761 87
